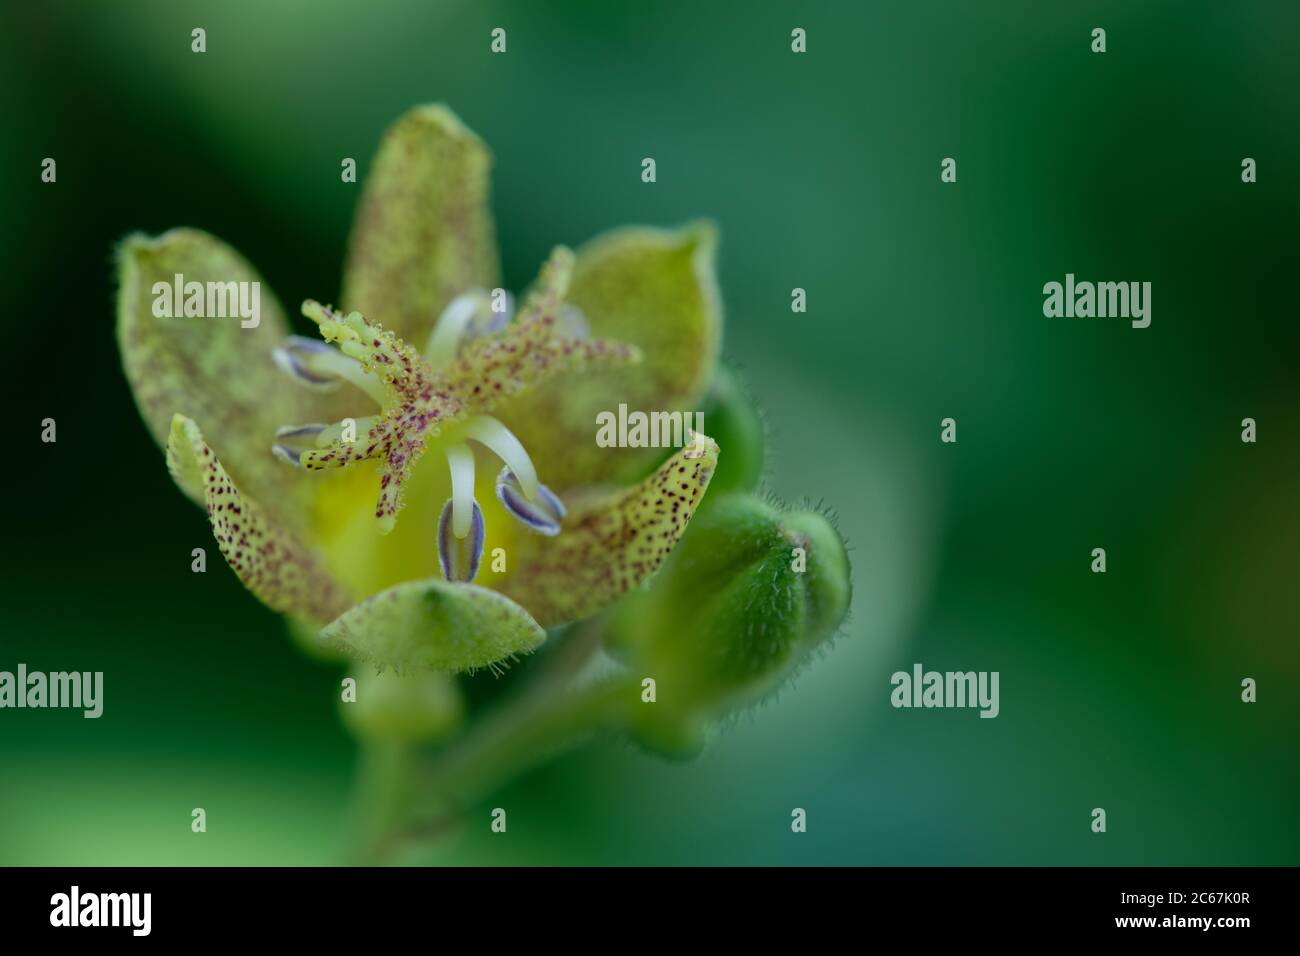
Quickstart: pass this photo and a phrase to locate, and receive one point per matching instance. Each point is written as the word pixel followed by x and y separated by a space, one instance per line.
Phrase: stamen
pixel 467 317
pixel 495 321
pixel 299 431
pixel 574 322
pixel 461 460
pixel 332 433
pixel 321 367
pixel 287 454
pixel 286 451
pixel 501 441
pixel 459 557
pixel 542 515
pixel 292 358
pixel 450 328
pixel 418 403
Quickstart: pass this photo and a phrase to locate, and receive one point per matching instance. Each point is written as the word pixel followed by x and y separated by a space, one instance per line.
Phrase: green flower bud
pixel 415 706
pixel 747 595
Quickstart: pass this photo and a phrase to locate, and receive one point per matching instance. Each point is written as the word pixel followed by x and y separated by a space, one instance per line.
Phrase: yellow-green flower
pixel 431 438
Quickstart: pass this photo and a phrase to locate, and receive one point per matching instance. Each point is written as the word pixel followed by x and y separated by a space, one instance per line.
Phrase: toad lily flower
pixel 421 484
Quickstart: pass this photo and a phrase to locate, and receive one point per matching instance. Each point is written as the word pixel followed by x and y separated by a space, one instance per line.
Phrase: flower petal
pixel 269 560
pixel 423 232
pixel 654 289
pixel 608 546
pixel 435 625
pixel 210 369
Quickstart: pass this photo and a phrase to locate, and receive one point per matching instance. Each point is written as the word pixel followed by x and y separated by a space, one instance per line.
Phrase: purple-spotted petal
pixel 610 544
pixel 423 231
pixel 271 561
pixel 460 557
pixel 543 514
pixel 650 288
pixel 214 370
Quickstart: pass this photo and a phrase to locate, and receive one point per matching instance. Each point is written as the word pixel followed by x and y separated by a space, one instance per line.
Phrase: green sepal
pixel 435 625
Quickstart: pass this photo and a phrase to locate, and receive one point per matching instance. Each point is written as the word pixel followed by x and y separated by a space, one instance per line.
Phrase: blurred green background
pixel 924 301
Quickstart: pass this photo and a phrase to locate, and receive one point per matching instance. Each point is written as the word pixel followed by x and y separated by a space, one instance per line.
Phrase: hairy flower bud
pixel 748 594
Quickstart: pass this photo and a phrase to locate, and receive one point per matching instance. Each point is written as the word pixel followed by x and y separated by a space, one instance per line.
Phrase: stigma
pixel 416 403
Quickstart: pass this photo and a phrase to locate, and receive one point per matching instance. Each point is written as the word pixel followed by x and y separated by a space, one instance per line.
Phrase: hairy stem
pixel 545 719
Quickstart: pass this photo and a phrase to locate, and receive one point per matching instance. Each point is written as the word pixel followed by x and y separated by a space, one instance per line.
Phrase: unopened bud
pixel 745 598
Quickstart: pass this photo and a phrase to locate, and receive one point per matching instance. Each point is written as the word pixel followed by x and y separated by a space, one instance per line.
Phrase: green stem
pixel 383 791
pixel 407 804
pixel 520 737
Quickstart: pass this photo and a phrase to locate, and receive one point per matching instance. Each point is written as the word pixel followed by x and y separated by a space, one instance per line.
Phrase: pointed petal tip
pixel 442 117
pixel 702 233
pixel 138 243
pixel 702 446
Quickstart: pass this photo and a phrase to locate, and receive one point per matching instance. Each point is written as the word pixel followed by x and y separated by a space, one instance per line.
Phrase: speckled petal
pixel 609 546
pixel 273 564
pixel 435 625
pixel 211 369
pixel 654 289
pixel 423 232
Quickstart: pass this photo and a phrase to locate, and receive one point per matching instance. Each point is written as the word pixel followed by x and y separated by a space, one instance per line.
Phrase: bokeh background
pixel 1118 690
